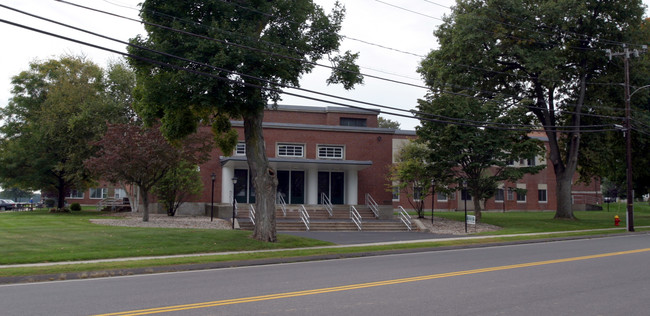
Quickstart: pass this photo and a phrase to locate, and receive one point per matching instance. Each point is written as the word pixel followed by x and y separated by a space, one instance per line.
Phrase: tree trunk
pixel 263 177
pixel 563 186
pixel 145 205
pixel 60 203
pixel 477 209
pixel 132 195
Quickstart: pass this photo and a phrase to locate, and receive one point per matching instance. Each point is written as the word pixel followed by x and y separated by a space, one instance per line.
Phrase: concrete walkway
pixel 342 239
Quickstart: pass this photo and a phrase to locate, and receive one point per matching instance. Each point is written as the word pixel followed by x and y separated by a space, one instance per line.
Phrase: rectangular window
pixel 498 196
pixel 330 152
pixel 241 149
pixel 290 150
pixel 98 193
pixel 75 194
pixel 531 162
pixel 511 194
pixel 442 197
pixel 521 197
pixel 348 121
pixel 541 196
pixel 396 193
pixel 417 193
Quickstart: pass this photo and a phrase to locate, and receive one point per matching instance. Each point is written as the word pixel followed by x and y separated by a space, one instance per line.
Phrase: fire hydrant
pixel 616 220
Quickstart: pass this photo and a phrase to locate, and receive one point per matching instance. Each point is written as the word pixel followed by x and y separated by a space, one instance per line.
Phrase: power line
pixel 194 71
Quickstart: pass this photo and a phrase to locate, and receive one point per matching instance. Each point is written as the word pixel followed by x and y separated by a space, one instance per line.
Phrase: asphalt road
pixel 603 276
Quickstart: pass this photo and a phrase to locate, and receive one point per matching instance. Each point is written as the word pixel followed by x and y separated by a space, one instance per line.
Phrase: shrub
pixel 75 207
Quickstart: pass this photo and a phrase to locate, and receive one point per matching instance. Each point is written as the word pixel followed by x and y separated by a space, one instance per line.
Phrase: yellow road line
pixel 362 285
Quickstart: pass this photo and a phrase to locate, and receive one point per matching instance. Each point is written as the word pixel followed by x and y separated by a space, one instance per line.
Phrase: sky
pixel 379 22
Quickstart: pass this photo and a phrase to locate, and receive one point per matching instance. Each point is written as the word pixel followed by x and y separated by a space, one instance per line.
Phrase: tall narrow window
pixel 498 196
pixel 541 196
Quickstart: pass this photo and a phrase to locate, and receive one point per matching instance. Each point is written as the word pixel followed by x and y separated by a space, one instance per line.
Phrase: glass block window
pixel 291 150
pixel 330 152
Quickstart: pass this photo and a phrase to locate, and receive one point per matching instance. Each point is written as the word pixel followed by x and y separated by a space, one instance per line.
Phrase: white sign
pixel 471 219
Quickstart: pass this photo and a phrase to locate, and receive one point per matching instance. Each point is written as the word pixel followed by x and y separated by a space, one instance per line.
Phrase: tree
pixel 414 175
pixel 57 108
pixel 142 156
pixel 259 47
pixel 177 185
pixel 479 156
pixel 537 55
pixel 603 154
pixel 387 123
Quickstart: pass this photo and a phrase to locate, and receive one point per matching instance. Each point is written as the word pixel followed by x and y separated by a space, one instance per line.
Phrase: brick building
pixel 343 153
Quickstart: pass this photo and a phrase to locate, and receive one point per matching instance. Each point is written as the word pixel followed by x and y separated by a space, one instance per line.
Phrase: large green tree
pixel 480 156
pixel 603 154
pixel 537 55
pixel 259 47
pixel 58 107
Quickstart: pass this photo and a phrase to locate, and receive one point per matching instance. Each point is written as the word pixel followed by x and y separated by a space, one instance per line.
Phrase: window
pixel 290 150
pixel 441 197
pixel 541 196
pixel 395 193
pixel 75 194
pixel 240 150
pixel 417 193
pixel 330 152
pixel 521 196
pixel 531 162
pixel 348 121
pixel 98 193
pixel 498 196
pixel 511 194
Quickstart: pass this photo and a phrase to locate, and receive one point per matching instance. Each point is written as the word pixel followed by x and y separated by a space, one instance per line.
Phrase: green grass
pixel 28 237
pixel 536 222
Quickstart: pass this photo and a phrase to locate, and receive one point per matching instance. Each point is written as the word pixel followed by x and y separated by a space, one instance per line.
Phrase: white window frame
pixel 396 193
pixel 330 152
pixel 71 196
pixel 103 193
pixel 521 186
pixel 503 194
pixel 240 149
pixel 292 153
pixel 444 199
pixel 545 200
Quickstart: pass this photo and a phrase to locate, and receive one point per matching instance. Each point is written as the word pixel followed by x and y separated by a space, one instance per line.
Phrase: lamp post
pixel 213 177
pixel 465 199
pixel 234 202
pixel 433 198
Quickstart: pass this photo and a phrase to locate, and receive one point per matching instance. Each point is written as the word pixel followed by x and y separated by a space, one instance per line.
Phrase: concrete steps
pixel 320 220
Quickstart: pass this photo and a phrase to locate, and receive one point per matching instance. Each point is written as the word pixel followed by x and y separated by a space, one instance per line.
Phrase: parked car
pixel 7 205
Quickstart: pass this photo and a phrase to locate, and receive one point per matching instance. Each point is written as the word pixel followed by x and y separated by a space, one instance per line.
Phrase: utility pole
pixel 628 131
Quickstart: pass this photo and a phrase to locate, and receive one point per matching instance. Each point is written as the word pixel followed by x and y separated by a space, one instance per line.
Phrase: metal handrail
pixel 251 213
pixel 405 218
pixel 372 205
pixel 327 203
pixel 355 216
pixel 304 216
pixel 283 204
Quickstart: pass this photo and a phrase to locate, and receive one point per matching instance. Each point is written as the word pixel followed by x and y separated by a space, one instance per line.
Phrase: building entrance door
pixel 333 185
pixel 291 185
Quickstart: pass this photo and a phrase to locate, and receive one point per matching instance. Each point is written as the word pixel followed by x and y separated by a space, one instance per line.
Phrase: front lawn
pixel 38 236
